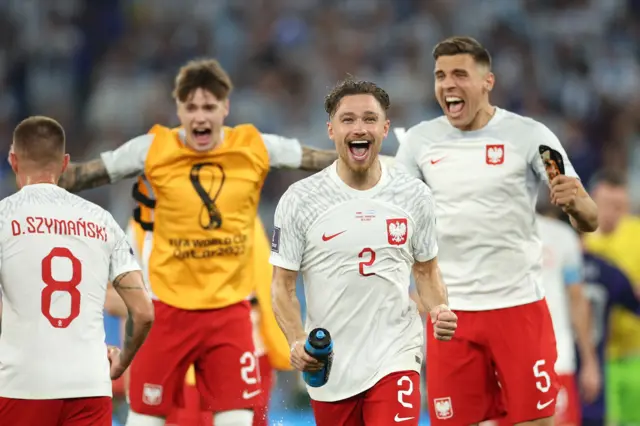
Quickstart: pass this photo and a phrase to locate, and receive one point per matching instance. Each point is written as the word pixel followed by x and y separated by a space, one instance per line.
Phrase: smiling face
pixel 357 128
pixel 462 88
pixel 202 116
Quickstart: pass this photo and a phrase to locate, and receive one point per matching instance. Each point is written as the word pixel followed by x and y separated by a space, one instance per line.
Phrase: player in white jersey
pixel 57 252
pixel 562 278
pixel 484 168
pixel 355 231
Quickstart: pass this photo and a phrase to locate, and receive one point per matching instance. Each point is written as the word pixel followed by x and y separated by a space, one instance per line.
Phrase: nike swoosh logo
pixel 545 405
pixel 249 395
pixel 326 237
pixel 399 419
pixel 437 161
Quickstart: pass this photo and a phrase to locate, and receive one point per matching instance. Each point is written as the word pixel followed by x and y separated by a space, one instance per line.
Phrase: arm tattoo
pixel 316 159
pixel 87 175
pixel 128 331
pixel 117 283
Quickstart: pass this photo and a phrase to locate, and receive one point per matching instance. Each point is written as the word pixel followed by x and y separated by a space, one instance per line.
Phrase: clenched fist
pixel 565 190
pixel 444 322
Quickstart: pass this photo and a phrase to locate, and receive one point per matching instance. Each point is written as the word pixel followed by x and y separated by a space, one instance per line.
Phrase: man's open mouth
pixel 359 149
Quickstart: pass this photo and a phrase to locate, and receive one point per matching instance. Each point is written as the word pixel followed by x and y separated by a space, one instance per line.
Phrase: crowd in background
pixel 105 69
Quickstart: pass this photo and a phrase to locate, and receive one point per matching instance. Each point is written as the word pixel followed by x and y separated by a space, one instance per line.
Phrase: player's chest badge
pixel 397 231
pixel 494 154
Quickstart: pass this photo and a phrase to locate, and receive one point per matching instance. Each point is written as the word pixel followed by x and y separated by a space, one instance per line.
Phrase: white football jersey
pixel 355 250
pixel 562 267
pixel 57 253
pixel 485 184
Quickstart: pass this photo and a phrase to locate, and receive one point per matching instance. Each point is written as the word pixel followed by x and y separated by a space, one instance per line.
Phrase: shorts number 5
pixel 543 382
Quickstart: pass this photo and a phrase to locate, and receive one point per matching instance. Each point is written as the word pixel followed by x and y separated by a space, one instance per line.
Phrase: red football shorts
pixel 395 399
pixel 95 411
pixel 567 404
pixel 499 362
pixel 195 413
pixel 218 342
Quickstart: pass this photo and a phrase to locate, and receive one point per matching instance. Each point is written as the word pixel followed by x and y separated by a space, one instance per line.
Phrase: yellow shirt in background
pixel 622 248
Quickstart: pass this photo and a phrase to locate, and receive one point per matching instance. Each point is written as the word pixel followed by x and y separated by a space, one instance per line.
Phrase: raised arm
pixel 124 162
pixel 567 191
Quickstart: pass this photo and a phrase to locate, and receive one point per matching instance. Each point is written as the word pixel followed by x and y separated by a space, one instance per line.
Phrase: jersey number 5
pixel 366 253
pixel 52 285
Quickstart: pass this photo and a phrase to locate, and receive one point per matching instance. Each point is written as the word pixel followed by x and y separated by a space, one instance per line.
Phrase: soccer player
pixel 618 241
pixel 355 231
pixel 562 271
pixel 606 287
pixel 483 165
pixel 272 351
pixel 57 253
pixel 204 181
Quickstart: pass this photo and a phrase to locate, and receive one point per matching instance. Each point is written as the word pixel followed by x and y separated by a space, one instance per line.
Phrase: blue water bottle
pixel 320 346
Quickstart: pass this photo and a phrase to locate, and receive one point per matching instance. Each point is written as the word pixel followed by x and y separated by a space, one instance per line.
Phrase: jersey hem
pixel 368 385
pixel 471 306
pixel 57 395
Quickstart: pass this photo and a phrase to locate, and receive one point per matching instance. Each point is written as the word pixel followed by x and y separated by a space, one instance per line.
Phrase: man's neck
pixel 37 179
pixel 360 180
pixel 483 117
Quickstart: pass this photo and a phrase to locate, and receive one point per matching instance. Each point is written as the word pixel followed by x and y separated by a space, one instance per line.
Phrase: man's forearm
pixel 580 318
pixel 87 175
pixel 135 333
pixel 584 214
pixel 286 308
pixel 316 159
pixel 430 287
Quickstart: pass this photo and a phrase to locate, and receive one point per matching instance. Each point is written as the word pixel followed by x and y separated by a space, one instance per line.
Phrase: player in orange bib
pixel 200 187
pixel 272 350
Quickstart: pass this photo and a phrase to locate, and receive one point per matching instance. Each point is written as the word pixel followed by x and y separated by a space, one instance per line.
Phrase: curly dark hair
pixel 351 86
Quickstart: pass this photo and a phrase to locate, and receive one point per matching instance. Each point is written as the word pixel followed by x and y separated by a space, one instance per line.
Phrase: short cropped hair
pixel 350 86
pixel 39 139
pixel 461 45
pixel 206 74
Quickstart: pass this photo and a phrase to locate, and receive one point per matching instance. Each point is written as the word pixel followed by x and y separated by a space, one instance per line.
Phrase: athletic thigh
pixel 461 381
pixel 347 412
pixel 394 399
pixel 29 412
pixel 87 412
pixel 158 370
pixel 523 347
pixel 227 370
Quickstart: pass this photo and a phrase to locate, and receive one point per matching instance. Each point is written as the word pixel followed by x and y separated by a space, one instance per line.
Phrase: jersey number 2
pixel 370 256
pixel 52 285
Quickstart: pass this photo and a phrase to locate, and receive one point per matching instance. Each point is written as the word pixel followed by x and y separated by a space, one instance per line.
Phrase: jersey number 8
pixel 52 285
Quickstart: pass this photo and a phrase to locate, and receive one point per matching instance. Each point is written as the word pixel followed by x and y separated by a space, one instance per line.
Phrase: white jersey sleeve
pixel 128 159
pixel 123 258
pixel 287 241
pixel 283 152
pixel 410 144
pixel 545 136
pixel 58 251
pixel 425 241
